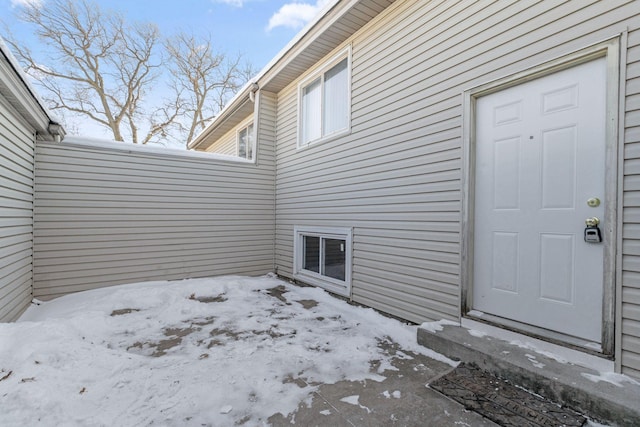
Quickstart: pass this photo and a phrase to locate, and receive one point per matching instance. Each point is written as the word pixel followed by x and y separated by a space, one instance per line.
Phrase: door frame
pixel 609 49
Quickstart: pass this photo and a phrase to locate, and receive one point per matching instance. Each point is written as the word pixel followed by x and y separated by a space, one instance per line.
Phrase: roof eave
pixel 232 106
pixel 16 88
pixel 273 77
pixel 228 112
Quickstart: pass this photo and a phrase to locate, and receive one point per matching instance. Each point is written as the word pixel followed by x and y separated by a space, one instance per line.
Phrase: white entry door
pixel 540 156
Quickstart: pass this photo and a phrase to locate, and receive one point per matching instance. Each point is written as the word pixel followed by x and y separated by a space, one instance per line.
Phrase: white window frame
pixel 253 137
pixel 329 283
pixel 319 73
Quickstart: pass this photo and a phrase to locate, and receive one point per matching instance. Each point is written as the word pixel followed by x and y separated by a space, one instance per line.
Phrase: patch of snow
pixel 534 362
pixel 526 345
pixel 396 394
pixel 402 355
pixel 379 378
pixel 22 75
pixel 476 333
pixel 591 423
pixel 355 400
pixel 325 412
pixel 530 346
pixel 437 326
pixel 550 355
pixel 476 313
pixel 553 351
pixel 107 144
pixel 153 353
pixel 611 377
pixel 351 400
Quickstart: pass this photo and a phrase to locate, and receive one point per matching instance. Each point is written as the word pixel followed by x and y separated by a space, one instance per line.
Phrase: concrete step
pixel 602 396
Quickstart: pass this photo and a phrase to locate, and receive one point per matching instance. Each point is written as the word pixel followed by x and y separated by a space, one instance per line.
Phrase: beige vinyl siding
pixel 630 335
pixel 397 177
pixel 106 216
pixel 228 143
pixel 16 213
pixel 266 133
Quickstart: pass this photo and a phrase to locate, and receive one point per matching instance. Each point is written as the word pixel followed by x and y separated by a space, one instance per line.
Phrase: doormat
pixel 502 402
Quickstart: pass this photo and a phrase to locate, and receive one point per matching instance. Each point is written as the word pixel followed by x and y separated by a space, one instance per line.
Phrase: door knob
pixel 592 222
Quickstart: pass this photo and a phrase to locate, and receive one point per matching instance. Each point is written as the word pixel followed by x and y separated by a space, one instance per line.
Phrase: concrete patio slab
pixel 401 398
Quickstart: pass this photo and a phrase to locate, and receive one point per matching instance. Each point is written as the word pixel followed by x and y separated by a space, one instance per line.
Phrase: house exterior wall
pixel 17 140
pixel 228 143
pixel 117 214
pixel 396 179
pixel 630 304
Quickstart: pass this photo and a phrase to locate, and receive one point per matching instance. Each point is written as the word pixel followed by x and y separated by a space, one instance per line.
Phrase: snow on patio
pixel 219 351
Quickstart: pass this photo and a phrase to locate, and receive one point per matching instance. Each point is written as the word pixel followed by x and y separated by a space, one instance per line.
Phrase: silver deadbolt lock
pixel 593 202
pixel 592 233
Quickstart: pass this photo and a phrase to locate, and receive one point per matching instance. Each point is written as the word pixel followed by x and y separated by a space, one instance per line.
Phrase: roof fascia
pixel 227 112
pixel 296 46
pixel 21 95
pixel 304 39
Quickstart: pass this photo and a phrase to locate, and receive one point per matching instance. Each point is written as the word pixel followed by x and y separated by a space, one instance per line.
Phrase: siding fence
pixel 111 214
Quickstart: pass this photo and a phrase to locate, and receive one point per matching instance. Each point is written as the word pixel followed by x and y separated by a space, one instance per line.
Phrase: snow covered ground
pixel 219 351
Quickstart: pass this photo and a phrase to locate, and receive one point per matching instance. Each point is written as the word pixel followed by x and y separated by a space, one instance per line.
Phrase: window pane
pixel 334 259
pixel 311 104
pixel 242 143
pixel 250 142
pixel 311 260
pixel 336 93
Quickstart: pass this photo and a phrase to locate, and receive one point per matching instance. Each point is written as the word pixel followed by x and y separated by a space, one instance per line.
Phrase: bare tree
pixel 95 65
pixel 203 78
pixel 98 66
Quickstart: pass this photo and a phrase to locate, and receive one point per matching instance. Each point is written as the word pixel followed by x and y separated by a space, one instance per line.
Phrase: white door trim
pixel 610 50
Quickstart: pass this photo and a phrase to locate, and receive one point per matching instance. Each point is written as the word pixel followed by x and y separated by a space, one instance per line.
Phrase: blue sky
pixel 258 29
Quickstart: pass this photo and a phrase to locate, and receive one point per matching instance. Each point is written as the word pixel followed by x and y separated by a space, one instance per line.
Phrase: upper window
pixel 325 102
pixel 245 142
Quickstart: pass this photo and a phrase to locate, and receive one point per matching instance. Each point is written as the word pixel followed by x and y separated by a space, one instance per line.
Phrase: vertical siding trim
pixel 622 70
pixel 263 101
pixel 613 147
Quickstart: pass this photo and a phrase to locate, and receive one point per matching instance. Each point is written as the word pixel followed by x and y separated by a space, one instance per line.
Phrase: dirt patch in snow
pixel 160 348
pixel 123 311
pixel 278 292
pixel 208 299
pixel 308 303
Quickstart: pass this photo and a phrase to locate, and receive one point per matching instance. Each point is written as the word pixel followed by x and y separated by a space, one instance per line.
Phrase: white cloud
pixel 295 15
pixel 17 3
pixel 235 3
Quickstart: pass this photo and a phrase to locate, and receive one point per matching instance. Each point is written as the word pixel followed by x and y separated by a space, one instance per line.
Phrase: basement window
pixel 322 257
